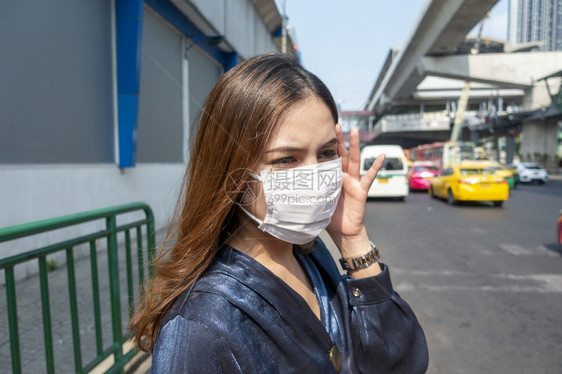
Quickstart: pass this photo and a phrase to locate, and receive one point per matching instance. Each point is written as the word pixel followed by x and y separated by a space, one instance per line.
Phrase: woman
pixel 246 286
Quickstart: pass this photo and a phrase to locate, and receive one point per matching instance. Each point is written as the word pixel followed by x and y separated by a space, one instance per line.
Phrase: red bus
pixel 443 154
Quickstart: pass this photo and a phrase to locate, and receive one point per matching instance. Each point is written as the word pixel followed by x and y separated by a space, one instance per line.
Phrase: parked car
pixel 469 183
pixel 420 174
pixel 532 172
pixel 560 228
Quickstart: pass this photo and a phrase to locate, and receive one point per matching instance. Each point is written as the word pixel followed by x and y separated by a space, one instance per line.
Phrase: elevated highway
pixel 415 97
pixel 441 29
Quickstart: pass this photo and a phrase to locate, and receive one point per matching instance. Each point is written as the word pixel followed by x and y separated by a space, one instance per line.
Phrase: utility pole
pixel 284 29
pixel 461 108
pixel 465 93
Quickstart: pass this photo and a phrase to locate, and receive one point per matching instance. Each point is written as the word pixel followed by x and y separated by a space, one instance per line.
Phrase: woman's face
pixel 305 135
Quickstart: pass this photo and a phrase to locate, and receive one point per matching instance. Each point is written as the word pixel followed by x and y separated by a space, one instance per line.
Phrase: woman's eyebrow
pixel 289 149
pixel 330 143
pixel 286 149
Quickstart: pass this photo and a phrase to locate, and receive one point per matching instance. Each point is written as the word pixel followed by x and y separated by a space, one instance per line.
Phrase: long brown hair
pixel 236 124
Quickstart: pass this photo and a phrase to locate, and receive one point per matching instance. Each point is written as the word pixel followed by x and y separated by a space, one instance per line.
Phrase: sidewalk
pixel 30 316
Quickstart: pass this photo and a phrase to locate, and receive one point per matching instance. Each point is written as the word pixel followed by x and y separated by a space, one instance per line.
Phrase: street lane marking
pixel 552 282
pixel 478 230
pixel 537 283
pixel 543 250
pixel 515 250
pixel 431 272
pixel 404 287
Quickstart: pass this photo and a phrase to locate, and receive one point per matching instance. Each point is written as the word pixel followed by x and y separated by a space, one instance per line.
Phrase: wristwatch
pixel 363 261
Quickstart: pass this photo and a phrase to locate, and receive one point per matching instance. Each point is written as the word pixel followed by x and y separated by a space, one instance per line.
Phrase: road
pixel 485 282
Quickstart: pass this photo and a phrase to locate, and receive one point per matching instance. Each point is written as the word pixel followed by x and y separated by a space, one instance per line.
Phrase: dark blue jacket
pixel 241 318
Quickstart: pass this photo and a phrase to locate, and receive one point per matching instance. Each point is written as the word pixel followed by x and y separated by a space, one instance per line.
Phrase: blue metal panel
pixel 128 8
pixel 278 32
pixel 230 60
pixel 128 18
pixel 172 14
pixel 128 114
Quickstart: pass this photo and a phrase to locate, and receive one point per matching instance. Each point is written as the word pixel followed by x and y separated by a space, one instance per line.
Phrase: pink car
pixel 560 228
pixel 420 174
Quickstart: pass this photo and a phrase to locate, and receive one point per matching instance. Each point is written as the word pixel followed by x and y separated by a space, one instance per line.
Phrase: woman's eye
pixel 283 161
pixel 328 154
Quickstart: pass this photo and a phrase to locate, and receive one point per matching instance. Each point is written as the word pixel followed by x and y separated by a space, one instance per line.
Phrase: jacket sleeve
pixel 382 333
pixel 386 336
pixel 187 346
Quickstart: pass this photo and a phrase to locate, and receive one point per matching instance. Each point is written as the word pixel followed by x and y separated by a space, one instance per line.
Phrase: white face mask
pixel 300 201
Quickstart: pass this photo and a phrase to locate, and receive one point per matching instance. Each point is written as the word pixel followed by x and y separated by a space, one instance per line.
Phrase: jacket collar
pixel 232 266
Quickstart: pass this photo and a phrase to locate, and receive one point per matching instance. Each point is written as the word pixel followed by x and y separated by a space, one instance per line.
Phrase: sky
pixel 345 42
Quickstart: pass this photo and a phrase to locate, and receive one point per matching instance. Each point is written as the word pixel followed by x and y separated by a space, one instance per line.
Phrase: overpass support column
pixel 509 149
pixel 474 137
pixel 540 143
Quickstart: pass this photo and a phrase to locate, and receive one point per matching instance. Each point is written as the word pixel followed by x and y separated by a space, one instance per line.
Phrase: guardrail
pixel 103 352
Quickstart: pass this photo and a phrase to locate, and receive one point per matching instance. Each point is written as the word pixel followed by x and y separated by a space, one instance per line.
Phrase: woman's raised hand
pixel 347 228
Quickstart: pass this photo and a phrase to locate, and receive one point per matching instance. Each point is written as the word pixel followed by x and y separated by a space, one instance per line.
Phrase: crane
pixel 465 93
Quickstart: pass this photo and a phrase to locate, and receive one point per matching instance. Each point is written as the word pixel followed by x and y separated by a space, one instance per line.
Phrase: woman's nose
pixel 311 160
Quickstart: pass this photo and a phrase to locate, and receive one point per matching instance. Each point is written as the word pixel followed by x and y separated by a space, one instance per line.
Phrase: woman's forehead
pixel 307 121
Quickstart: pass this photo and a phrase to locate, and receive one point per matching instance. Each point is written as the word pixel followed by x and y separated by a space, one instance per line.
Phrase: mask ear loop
pixel 256 219
pixel 255 176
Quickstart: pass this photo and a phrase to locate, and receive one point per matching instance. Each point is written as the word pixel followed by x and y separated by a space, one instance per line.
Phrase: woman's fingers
pixel 351 164
pixel 342 151
pixel 369 178
pixel 354 154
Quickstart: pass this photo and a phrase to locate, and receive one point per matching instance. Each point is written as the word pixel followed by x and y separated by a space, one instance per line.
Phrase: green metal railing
pixel 110 232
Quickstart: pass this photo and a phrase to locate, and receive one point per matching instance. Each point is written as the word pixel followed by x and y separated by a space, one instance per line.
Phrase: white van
pixel 391 180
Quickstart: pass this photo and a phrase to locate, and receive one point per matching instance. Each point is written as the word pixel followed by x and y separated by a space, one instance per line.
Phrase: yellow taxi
pixel 469 182
pixel 497 168
pixel 505 173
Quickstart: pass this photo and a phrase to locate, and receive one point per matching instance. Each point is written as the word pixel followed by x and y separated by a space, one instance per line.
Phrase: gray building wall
pixel 203 74
pixel 56 103
pixel 240 22
pixel 160 125
pixel 58 93
pixel 171 97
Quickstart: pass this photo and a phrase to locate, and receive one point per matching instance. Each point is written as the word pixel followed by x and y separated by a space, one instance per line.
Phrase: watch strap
pixel 361 262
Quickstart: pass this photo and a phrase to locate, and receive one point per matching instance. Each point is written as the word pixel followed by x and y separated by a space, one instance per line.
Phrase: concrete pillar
pixel 527 102
pixel 539 142
pixel 474 137
pixel 509 149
